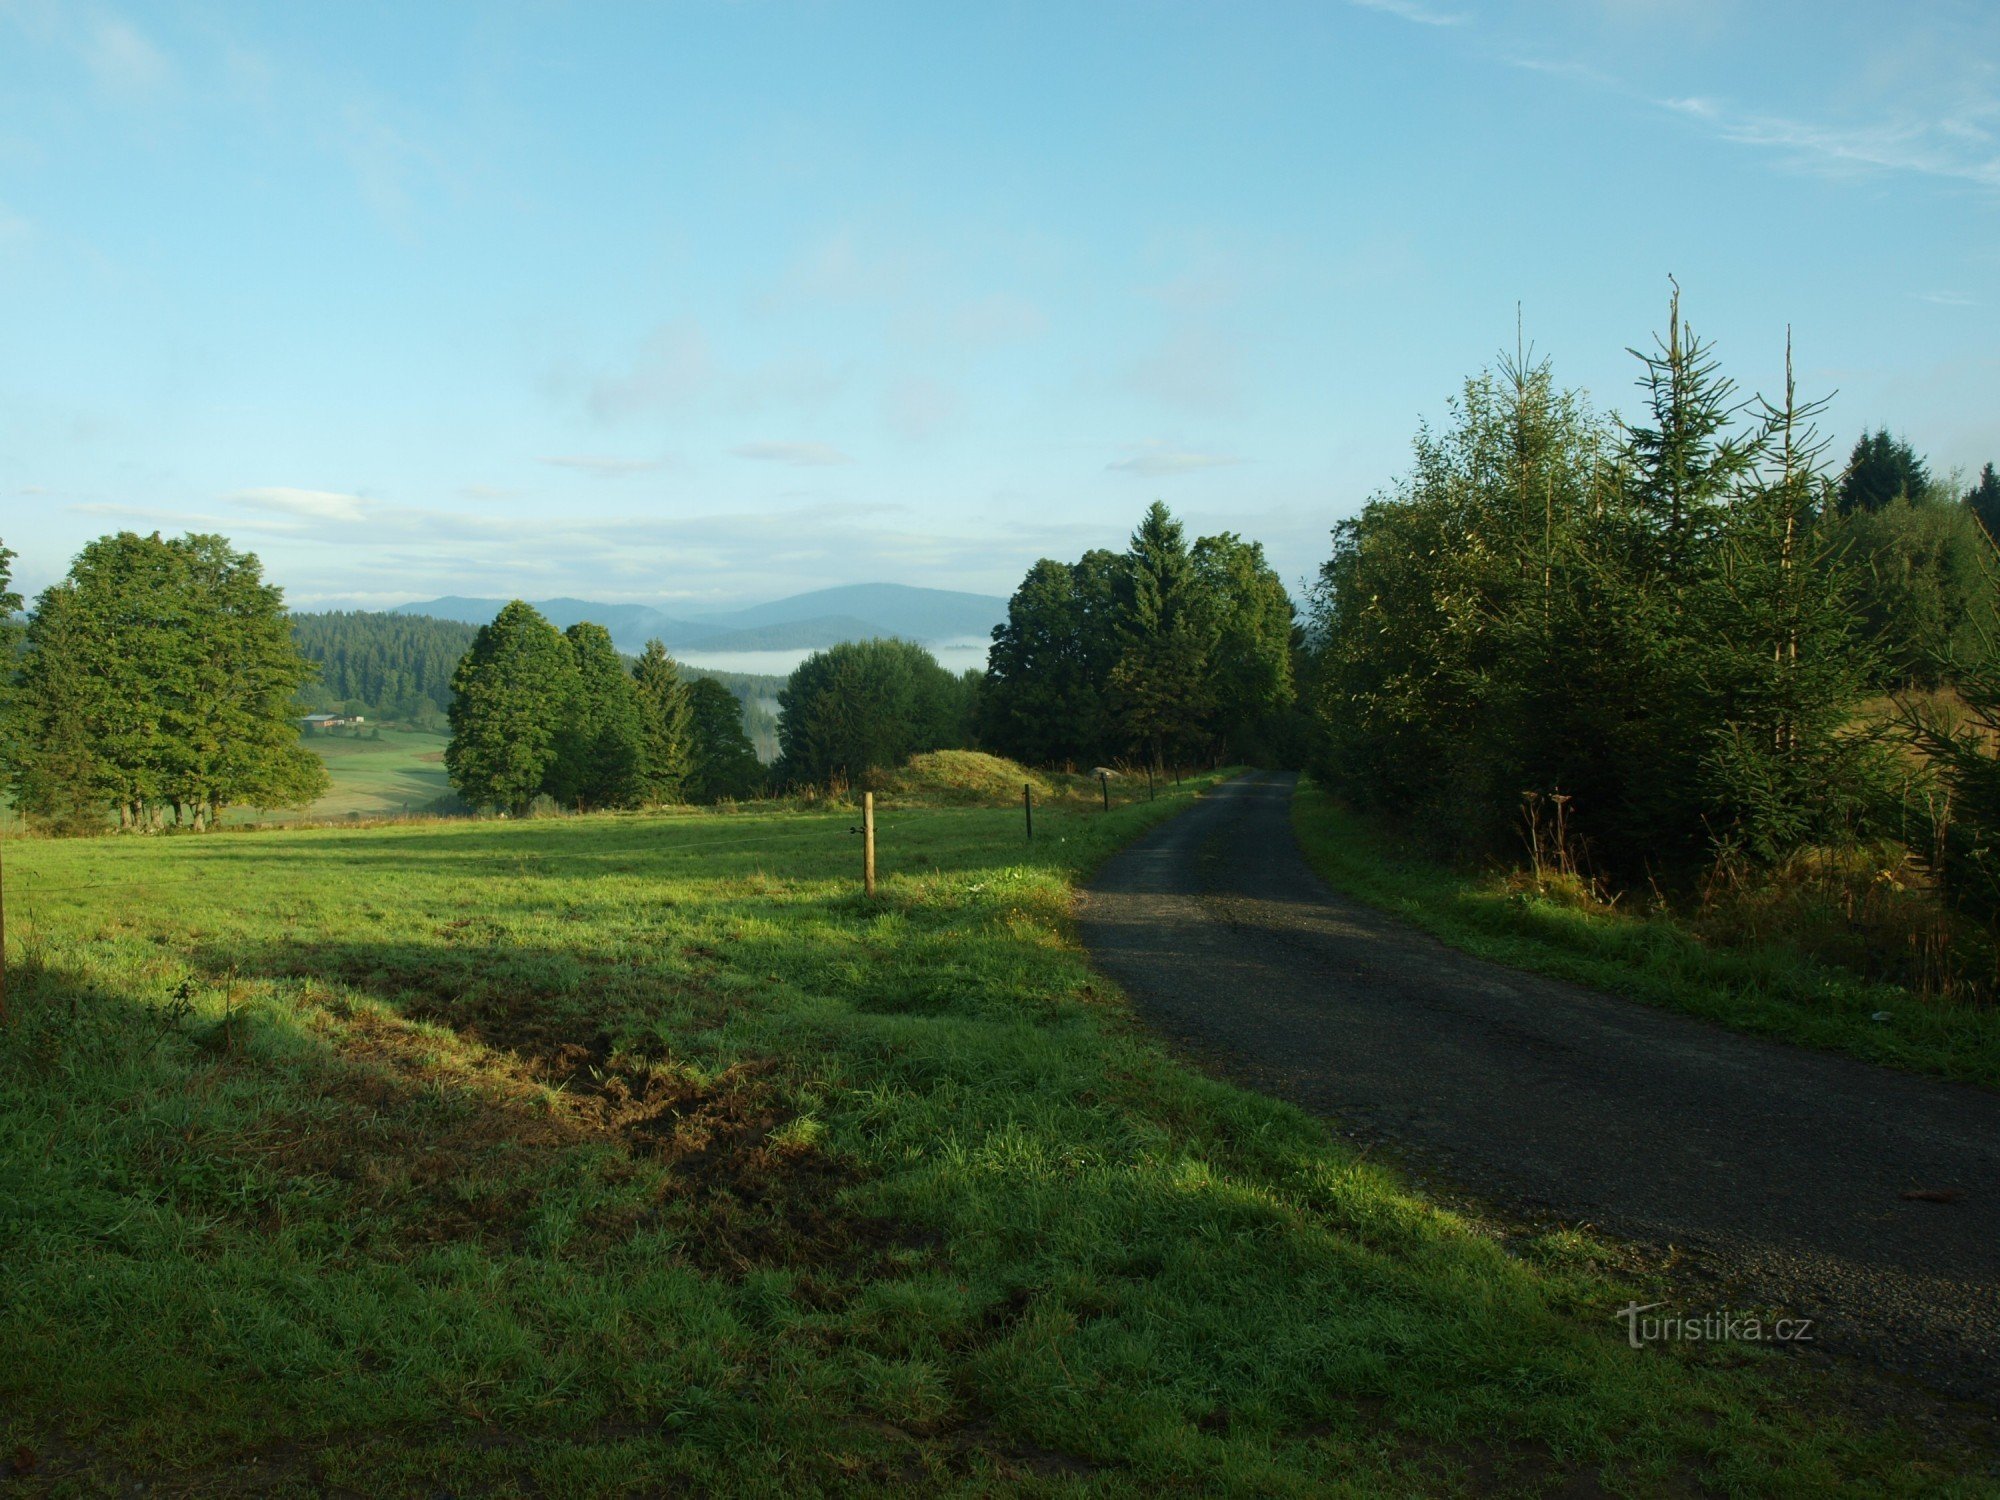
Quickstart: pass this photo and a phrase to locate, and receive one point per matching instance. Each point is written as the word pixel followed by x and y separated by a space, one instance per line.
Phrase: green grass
pixel 400 771
pixel 641 1153
pixel 1765 987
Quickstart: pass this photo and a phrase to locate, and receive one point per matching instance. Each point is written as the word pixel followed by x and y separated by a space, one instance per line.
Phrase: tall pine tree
pixel 666 726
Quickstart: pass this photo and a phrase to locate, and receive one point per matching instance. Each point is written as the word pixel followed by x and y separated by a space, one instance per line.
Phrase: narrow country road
pixel 1779 1170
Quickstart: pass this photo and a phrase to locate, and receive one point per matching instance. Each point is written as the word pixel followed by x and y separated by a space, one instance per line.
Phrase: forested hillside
pixel 383 665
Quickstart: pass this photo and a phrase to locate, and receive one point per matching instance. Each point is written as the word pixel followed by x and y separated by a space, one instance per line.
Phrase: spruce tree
pixel 1160 686
pixel 1984 499
pixel 725 765
pixel 510 693
pixel 666 726
pixel 600 745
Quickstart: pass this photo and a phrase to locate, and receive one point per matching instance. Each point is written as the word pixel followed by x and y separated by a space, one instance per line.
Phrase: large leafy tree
pixel 1043 699
pixel 724 766
pixel 1250 665
pixel 510 694
pixel 159 678
pixel 666 726
pixel 863 706
pixel 600 748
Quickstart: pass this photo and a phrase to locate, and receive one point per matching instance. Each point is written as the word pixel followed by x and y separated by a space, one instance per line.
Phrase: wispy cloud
pixel 310 505
pixel 1412 10
pixel 1955 145
pixel 1154 461
pixel 602 465
pixel 1948 299
pixel 798 455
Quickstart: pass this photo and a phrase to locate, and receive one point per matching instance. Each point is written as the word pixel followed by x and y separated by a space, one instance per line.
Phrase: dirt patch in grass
pixel 434 1136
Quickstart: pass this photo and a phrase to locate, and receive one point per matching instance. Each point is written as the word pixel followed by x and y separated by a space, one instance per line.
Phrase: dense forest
pixel 382 665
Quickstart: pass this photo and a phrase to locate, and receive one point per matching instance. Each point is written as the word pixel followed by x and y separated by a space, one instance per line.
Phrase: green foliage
pixel 666 727
pixel 723 766
pixel 1984 500
pixel 1882 469
pixel 601 746
pixel 1645 622
pixel 510 694
pixel 1043 698
pixel 866 706
pixel 387 666
pixel 1168 650
pixel 1915 569
pixel 159 679
pixel 1960 749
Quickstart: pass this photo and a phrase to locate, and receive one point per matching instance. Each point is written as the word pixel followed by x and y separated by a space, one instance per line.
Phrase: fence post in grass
pixel 868 843
pixel 1149 781
pixel 1104 785
pixel 1028 808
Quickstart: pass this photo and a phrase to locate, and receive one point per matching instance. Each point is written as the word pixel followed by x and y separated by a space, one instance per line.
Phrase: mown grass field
pixel 400 771
pixel 641 1154
pixel 1765 986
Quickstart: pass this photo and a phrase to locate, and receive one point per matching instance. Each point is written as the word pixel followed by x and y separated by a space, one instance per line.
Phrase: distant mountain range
pixel 823 617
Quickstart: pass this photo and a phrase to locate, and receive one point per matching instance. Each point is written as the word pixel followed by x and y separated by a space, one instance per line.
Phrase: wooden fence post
pixel 1028 807
pixel 1104 785
pixel 868 843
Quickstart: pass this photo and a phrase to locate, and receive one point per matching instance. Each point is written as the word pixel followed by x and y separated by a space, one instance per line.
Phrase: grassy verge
pixel 1764 987
pixel 629 1154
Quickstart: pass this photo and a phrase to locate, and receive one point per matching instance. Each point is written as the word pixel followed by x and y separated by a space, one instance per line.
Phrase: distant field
pixel 403 771
pixel 642 1154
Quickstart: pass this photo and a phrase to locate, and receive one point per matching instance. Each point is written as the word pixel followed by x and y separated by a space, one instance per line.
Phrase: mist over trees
pixel 1166 651
pixel 157 683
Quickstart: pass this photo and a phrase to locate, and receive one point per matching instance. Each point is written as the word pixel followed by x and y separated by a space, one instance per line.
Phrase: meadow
pixel 398 771
pixel 631 1153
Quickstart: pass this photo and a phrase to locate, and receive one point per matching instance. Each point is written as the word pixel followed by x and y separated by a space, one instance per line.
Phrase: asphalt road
pixel 1779 1172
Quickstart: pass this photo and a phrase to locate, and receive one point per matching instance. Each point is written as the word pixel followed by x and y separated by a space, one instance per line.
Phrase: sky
pixel 704 303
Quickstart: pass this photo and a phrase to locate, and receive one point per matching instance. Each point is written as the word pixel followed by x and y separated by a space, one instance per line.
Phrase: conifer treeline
pixel 383 665
pixel 1669 626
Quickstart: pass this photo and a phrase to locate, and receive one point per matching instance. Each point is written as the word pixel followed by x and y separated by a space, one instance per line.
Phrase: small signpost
pixel 1028 807
pixel 1104 785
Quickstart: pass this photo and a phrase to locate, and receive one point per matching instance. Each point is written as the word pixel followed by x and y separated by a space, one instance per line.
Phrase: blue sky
pixel 709 302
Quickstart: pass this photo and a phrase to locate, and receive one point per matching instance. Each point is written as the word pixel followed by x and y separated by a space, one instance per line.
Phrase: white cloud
pixel 1952 146
pixel 1411 10
pixel 602 465
pixel 1155 460
pixel 798 455
pixel 310 505
pixel 919 407
pixel 1947 299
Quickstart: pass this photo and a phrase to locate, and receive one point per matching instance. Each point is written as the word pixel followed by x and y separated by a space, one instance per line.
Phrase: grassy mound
pixel 962 778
